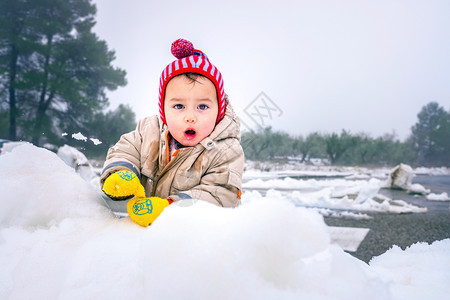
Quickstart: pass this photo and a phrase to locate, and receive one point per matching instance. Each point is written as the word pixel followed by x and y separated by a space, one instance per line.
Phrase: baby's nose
pixel 189 117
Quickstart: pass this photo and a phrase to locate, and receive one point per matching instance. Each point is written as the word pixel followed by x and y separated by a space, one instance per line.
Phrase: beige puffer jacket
pixel 210 171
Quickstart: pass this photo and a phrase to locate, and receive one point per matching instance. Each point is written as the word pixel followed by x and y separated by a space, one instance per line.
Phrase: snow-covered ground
pixel 58 240
pixel 347 189
pixel 318 169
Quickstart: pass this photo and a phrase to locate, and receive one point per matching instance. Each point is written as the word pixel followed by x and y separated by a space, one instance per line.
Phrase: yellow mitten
pixel 144 211
pixel 123 185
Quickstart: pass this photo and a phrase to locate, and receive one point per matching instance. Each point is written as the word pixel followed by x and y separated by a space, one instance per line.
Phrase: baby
pixel 191 151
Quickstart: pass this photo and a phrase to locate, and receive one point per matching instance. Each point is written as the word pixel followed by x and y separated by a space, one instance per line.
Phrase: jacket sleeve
pixel 127 152
pixel 221 183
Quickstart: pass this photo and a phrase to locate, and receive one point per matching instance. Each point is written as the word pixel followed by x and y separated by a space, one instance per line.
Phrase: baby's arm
pixel 127 153
pixel 124 155
pixel 221 184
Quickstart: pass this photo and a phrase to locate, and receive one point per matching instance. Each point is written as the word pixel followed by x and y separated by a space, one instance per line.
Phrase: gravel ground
pixel 403 230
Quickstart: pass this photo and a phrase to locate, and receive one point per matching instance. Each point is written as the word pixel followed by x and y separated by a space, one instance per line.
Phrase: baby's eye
pixel 178 106
pixel 203 106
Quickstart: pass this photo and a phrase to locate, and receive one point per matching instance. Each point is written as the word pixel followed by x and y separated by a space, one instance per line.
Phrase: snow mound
pixel 413 271
pixel 58 240
pixel 39 189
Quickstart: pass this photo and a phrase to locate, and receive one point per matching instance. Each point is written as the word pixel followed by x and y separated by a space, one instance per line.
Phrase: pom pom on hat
pixel 182 48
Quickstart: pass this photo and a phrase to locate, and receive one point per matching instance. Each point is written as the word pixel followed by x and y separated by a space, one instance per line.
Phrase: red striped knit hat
pixel 190 60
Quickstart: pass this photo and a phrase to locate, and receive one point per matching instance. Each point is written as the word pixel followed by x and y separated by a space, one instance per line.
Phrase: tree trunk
pixel 43 103
pixel 12 93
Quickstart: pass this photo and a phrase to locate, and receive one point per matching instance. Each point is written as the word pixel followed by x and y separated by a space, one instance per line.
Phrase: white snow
pixel 358 195
pixel 96 141
pixel 432 171
pixel 416 188
pixel 401 178
pixel 326 212
pixel 438 197
pixel 348 238
pixel 9 146
pixel 79 136
pixel 77 160
pixel 58 240
pixel 409 272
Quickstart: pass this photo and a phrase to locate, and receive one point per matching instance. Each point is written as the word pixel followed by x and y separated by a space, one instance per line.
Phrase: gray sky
pixel 324 65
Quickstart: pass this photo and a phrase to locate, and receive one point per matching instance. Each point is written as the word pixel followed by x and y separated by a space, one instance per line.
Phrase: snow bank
pixel 39 189
pixel 57 240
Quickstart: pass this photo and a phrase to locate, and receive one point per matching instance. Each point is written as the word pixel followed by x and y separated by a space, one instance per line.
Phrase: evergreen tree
pixel 105 128
pixel 55 68
pixel 431 135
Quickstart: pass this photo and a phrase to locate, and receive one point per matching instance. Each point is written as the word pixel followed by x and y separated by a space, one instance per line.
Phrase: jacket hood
pixel 228 127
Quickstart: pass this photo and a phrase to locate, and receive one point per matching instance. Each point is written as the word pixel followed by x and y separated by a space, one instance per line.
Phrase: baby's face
pixel 191 109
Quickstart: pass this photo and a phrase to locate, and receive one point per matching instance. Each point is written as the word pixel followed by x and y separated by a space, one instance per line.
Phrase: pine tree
pixel 55 68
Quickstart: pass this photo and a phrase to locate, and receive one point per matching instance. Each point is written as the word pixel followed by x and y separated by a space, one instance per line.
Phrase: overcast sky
pixel 323 65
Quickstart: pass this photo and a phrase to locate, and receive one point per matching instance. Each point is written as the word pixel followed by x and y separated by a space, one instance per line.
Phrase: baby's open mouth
pixel 189 133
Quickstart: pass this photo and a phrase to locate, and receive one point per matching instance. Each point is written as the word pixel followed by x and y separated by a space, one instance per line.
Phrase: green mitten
pixel 122 185
pixel 144 211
